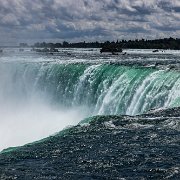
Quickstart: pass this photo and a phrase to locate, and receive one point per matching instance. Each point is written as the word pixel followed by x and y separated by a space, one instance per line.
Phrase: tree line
pixel 166 43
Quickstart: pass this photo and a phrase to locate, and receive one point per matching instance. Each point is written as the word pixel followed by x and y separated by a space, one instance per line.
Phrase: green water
pixel 103 88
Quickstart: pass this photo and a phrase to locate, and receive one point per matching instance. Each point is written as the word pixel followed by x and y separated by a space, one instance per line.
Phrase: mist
pixel 31 122
pixel 28 115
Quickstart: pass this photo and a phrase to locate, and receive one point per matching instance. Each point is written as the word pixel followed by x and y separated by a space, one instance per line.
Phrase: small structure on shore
pixel 156 50
pixel 111 49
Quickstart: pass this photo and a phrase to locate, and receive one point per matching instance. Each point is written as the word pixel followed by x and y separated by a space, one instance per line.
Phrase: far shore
pixel 164 44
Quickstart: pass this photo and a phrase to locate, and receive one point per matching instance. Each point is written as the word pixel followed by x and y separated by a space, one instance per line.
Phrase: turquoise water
pixel 103 88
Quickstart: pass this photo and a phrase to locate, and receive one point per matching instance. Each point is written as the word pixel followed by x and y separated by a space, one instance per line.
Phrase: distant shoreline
pixel 166 43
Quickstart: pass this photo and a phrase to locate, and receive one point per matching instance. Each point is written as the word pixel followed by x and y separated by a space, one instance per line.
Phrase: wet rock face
pixel 107 147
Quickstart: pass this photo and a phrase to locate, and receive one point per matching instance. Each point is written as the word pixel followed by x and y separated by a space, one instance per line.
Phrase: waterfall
pixel 102 88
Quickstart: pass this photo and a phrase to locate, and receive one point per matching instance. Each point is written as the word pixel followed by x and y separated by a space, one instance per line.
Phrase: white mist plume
pixel 31 122
pixel 28 116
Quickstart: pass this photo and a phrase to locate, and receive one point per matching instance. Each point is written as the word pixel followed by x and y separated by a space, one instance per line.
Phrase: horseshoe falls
pixel 41 94
pixel 79 114
pixel 104 89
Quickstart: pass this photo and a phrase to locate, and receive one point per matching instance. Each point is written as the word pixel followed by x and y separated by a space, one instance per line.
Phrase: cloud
pixel 45 20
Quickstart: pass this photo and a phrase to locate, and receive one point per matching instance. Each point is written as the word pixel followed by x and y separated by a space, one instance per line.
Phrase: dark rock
pixel 156 50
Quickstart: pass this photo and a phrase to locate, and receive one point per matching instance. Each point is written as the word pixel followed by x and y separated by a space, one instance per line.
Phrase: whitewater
pixel 41 94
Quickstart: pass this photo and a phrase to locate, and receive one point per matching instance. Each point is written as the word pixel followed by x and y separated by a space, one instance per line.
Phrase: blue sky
pixel 89 20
